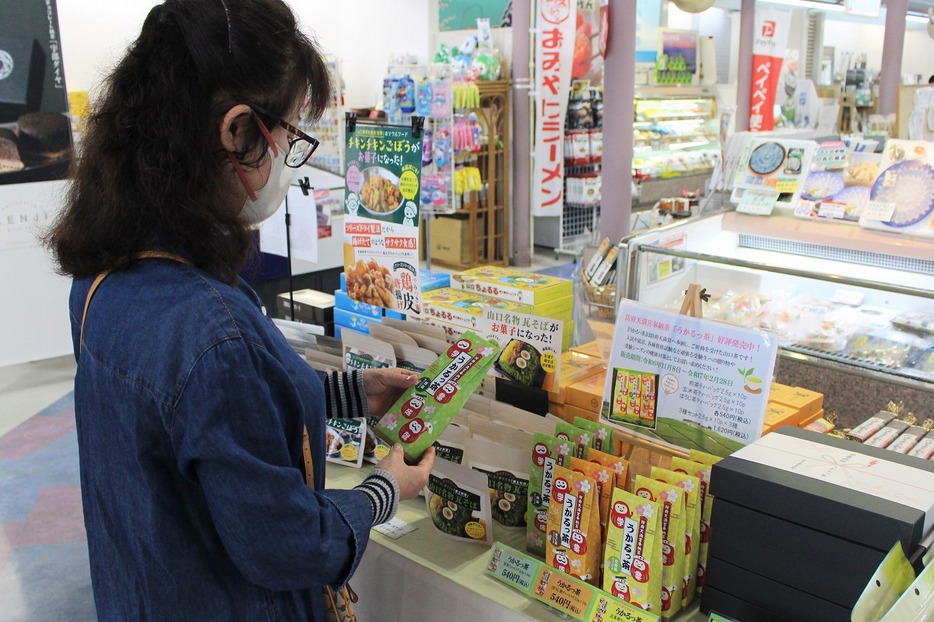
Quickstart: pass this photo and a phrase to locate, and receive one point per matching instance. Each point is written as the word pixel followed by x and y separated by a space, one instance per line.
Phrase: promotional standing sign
pixel 35 133
pixel 381 215
pixel 687 381
pixel 531 346
pixel 768 51
pixel 554 57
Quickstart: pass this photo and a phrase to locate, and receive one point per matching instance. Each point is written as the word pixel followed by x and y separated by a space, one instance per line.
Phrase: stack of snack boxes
pixel 350 313
pixel 545 296
pixel 574 396
pixel 794 406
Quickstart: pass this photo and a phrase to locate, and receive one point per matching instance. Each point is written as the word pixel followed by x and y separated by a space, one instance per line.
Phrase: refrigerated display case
pixel 675 140
pixel 852 309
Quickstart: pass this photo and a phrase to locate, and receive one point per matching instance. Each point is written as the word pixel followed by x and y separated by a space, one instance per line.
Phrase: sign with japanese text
pixel 554 56
pixel 36 139
pixel 687 381
pixel 531 346
pixel 569 595
pixel 768 52
pixel 381 216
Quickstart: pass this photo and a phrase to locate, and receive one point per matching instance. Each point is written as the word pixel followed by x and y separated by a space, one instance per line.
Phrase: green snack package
pixel 691 487
pixel 890 580
pixel 547 453
pixel 632 559
pixel 701 471
pixel 580 439
pixel 419 417
pixel 671 505
pixel 602 434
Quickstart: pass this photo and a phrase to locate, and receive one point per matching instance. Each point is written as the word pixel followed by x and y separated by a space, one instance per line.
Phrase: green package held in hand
pixel 419 417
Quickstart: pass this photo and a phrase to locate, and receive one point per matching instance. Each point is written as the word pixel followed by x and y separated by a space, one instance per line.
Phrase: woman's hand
pixel 411 479
pixel 384 386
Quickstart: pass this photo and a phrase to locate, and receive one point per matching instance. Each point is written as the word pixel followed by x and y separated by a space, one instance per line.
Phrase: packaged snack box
pixel 345 440
pixel 619 465
pixel 574 368
pixel 581 440
pixel 464 308
pixel 512 284
pixel 419 417
pixel 632 559
pixel 671 506
pixel 573 532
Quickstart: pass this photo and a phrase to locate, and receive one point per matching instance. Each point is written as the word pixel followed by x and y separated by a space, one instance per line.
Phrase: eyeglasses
pixel 301 145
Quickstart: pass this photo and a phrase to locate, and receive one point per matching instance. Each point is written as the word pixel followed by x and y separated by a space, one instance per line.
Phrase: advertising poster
pixel 531 347
pixel 686 381
pixel 35 131
pixel 463 14
pixel 768 51
pixel 591 27
pixel 381 216
pixel 678 50
pixel 555 24
pixel 648 21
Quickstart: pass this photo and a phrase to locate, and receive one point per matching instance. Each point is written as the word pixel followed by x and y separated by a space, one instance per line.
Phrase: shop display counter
pixel 424 576
pixel 841 300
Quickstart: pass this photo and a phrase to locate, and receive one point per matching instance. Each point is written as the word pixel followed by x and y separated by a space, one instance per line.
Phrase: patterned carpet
pixel 43 549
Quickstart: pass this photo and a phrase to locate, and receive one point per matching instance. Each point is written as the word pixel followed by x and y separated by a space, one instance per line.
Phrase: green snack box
pixel 419 417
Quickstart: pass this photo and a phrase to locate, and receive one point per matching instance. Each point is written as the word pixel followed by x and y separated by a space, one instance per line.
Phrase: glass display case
pixel 675 139
pixel 855 301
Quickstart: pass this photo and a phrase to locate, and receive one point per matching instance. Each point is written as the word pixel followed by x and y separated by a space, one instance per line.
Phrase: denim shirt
pixel 190 406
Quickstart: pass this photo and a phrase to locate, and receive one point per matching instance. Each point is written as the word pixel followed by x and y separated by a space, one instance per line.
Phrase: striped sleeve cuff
pixel 382 490
pixel 345 396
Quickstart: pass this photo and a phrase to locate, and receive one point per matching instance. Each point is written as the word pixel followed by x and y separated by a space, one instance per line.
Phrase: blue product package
pixel 343 278
pixel 357 322
pixel 396 315
pixel 433 280
pixel 344 301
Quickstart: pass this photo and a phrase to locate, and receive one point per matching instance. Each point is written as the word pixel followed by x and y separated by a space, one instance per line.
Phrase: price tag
pixel 757 202
pixel 831 209
pixel 830 155
pixel 879 211
pixel 848 297
pixel 555 590
pixel 786 185
pixel 395 529
pixel 516 570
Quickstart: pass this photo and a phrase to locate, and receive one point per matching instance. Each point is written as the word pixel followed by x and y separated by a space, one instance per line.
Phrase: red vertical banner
pixel 768 52
pixel 554 57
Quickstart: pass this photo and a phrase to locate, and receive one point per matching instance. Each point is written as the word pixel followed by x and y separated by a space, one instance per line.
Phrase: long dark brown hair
pixel 150 174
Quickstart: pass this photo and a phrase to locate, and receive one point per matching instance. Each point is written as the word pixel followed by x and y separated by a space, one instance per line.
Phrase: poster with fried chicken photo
pixel 35 131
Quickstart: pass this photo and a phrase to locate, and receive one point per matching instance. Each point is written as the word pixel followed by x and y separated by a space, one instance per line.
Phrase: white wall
pixel 363 33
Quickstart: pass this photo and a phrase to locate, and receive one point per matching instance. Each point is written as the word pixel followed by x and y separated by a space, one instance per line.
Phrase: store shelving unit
pixel 675 140
pixel 486 212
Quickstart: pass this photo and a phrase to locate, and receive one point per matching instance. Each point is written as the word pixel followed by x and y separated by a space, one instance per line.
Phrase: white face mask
pixel 270 196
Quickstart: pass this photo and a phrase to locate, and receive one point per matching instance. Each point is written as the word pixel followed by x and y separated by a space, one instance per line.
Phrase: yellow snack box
pixel 513 284
pixel 671 506
pixel 574 368
pixel 461 308
pixel 807 402
pixel 632 558
pixel 778 415
pixel 587 393
pixel 573 540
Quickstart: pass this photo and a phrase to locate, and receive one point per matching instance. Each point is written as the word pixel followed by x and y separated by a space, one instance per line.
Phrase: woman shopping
pixel 191 408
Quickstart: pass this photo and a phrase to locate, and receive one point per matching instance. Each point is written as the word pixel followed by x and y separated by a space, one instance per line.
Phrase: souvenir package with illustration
pixel 364 352
pixel 671 506
pixel 602 435
pixel 690 485
pixel 507 477
pixel 345 441
pixel 458 502
pixel 513 284
pixel 632 558
pixel 775 169
pixel 619 465
pixel 452 444
pixel 704 509
pixel 573 533
pixel 605 479
pixel 548 452
pixel 419 417
pixel 902 196
pixel 581 440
